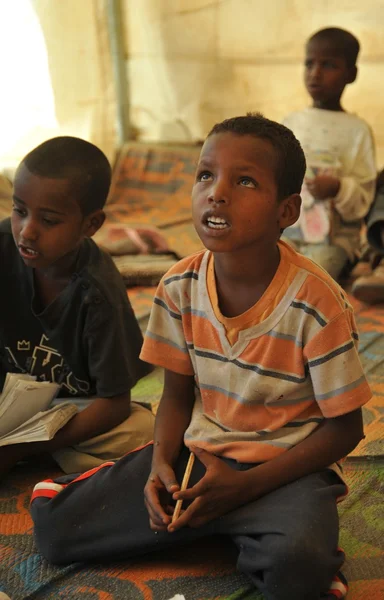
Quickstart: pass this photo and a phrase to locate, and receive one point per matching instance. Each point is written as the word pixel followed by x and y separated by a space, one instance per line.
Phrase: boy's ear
pixel 352 74
pixel 289 211
pixel 93 222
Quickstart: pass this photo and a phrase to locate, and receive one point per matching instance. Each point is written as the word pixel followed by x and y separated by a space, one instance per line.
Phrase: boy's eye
pixel 308 64
pixel 204 176
pixel 49 222
pixel 20 211
pixel 247 182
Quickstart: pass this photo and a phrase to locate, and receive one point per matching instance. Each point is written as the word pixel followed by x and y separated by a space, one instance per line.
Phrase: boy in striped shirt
pixel 262 382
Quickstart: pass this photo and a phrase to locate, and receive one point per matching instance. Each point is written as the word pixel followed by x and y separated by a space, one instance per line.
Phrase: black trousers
pixel 287 540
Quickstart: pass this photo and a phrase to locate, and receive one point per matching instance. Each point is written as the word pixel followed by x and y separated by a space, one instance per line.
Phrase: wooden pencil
pixel 184 485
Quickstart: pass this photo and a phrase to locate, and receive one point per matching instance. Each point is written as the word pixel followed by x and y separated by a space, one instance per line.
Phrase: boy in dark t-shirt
pixel 64 311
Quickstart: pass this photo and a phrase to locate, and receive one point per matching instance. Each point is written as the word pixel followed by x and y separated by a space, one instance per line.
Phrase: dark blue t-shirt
pixel 88 339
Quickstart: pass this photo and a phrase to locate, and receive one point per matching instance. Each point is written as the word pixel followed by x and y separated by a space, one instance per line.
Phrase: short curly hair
pixel 82 163
pixel 291 164
pixel 344 42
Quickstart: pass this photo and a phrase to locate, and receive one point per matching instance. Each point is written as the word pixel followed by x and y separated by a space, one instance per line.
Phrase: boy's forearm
pixel 171 423
pixel 329 443
pixel 102 415
pixel 173 417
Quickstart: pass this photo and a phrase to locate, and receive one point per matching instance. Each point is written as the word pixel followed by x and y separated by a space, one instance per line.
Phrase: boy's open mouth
pixel 27 252
pixel 216 223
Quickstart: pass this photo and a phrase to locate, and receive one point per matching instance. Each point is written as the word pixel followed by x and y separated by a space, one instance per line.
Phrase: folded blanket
pixel 141 254
pixel 143 269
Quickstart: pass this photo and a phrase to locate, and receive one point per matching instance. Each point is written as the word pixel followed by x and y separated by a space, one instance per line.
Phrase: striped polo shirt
pixel 268 377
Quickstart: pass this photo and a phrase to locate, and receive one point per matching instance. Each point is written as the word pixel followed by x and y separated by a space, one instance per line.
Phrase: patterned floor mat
pixel 202 571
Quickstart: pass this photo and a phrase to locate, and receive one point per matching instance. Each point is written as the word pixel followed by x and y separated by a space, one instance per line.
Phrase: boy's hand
pixel 158 490
pixel 323 186
pixel 221 490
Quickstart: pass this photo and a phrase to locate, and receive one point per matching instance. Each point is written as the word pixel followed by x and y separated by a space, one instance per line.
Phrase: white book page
pixel 42 426
pixel 23 400
pixel 11 379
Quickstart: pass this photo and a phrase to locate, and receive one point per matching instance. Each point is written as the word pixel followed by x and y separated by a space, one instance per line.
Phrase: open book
pixel 23 410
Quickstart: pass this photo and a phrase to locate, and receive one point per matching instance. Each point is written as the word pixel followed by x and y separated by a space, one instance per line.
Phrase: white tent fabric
pixel 57 74
pixel 189 63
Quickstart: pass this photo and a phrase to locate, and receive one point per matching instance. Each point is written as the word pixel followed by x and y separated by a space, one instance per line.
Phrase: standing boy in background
pixel 64 312
pixel 262 382
pixel 340 180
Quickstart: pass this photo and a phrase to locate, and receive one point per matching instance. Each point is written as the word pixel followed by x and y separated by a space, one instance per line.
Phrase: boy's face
pixel 47 222
pixel 326 74
pixel 234 197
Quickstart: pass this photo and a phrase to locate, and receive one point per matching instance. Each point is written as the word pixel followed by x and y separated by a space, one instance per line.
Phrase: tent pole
pixel 116 41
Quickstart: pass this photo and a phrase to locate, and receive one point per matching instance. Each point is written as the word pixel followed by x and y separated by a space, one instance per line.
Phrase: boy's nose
pixel 219 193
pixel 315 72
pixel 29 230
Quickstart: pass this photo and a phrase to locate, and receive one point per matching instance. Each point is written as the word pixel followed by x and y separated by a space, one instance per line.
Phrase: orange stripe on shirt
pixel 254 417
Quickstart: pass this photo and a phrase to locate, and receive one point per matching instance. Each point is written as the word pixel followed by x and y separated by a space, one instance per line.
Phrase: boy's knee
pixel 301 568
pixel 132 433
pixel 50 532
pixel 287 567
pixel 291 556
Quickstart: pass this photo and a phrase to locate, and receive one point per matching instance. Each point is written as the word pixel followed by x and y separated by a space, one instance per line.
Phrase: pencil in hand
pixel 184 485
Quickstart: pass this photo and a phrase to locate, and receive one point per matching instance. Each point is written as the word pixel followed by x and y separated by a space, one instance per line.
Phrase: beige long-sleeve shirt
pixel 338 143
